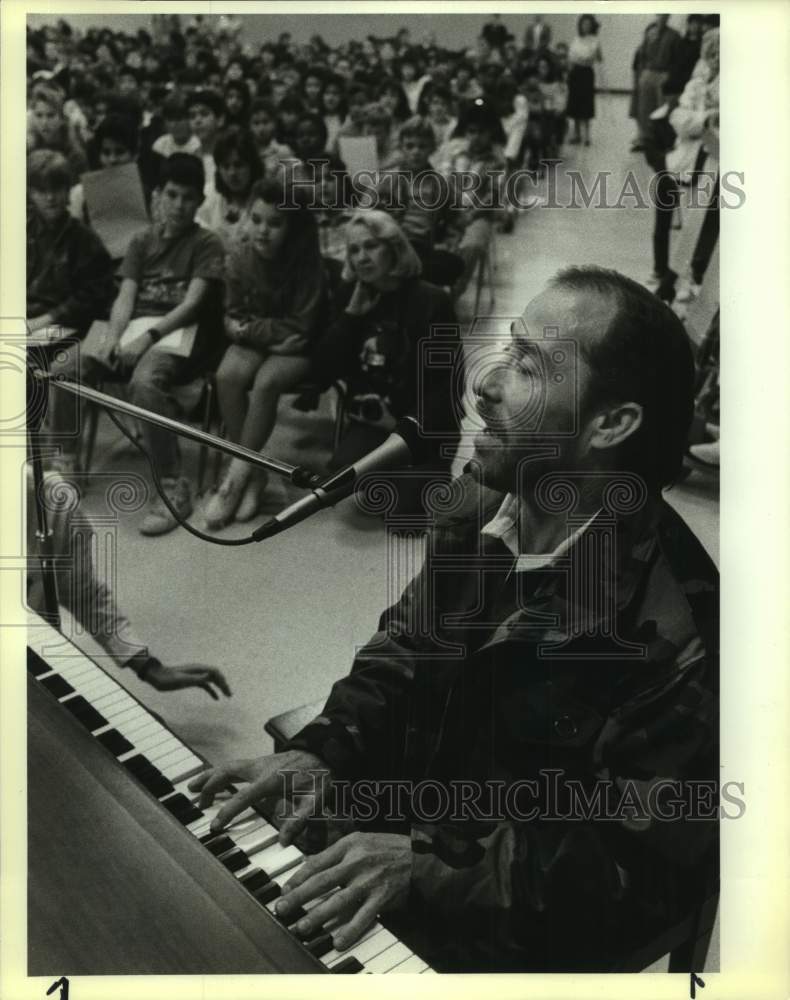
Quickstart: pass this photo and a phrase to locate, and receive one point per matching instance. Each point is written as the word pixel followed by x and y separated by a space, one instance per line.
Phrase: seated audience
pixel 226 210
pixel 206 111
pixel 178 137
pixel 48 128
pixel 172 273
pixel 263 129
pixel 374 344
pixel 69 272
pixel 274 289
pixel 415 196
pixel 475 149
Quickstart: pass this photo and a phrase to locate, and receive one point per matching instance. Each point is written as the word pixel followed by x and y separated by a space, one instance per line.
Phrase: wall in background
pixel 620 33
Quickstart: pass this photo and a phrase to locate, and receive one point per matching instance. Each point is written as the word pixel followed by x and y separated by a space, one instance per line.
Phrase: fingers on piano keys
pixel 248 847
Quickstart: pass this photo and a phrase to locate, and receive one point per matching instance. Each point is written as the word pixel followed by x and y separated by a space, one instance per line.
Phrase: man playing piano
pixel 553 732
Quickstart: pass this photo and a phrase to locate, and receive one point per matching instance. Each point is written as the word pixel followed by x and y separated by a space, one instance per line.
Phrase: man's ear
pixel 612 426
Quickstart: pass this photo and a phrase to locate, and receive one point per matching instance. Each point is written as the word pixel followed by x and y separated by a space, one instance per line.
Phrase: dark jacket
pixel 69 273
pixel 481 674
pixel 399 330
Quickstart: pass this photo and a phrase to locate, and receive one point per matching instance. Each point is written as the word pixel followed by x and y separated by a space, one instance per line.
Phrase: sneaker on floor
pixel 688 291
pixel 652 282
pixel 63 465
pixel 158 520
pixel 706 454
pixel 251 500
pixel 222 506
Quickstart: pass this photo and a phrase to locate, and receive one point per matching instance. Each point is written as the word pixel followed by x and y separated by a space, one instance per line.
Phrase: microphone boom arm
pixel 298 475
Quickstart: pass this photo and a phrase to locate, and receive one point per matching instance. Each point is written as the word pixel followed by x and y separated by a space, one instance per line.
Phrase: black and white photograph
pixel 383 427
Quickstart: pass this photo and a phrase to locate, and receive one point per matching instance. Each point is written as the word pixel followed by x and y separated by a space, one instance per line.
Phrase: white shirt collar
pixel 504 525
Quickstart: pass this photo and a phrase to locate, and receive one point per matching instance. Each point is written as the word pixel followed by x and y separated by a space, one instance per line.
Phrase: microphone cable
pixel 231 542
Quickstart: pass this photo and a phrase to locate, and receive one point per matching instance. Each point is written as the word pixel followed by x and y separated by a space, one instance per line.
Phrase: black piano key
pixel 115 742
pixel 57 685
pixel 254 880
pixel 182 808
pixel 85 713
pixel 35 664
pixel 320 944
pixel 219 845
pixel 292 916
pixel 137 764
pixel 149 776
pixel 234 860
pixel 267 892
pixel 348 965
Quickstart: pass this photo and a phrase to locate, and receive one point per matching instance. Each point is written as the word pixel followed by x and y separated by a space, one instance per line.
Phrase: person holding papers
pixel 69 272
pixel 170 281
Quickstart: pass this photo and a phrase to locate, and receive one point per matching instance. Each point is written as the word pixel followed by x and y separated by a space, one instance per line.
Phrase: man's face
pixel 113 153
pixel 309 141
pixel 46 120
pixel 203 121
pixel 438 110
pixel 180 129
pixel 416 151
pixel 536 388
pixel 127 85
pixel 178 204
pixel 50 203
pixel 312 88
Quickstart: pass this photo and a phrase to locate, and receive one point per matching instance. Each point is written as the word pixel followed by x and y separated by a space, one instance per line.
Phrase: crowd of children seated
pixel 224 135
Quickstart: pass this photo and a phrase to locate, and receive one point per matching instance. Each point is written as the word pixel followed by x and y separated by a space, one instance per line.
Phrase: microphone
pixel 405 446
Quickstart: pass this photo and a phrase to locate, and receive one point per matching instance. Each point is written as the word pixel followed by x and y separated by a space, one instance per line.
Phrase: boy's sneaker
pixel 63 465
pixel 688 290
pixel 159 520
pixel 652 281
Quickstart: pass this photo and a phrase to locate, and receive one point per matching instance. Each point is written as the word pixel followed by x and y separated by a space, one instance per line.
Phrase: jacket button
pixel 565 727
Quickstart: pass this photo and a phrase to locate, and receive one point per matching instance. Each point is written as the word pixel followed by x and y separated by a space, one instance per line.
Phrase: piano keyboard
pixel 248 848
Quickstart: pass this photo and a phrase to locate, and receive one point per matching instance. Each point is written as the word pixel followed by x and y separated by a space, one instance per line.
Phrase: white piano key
pixel 254 841
pixel 367 950
pixel 110 700
pixel 387 960
pixel 126 716
pixel 182 768
pixel 413 965
pixel 276 860
pixel 334 955
pixel 92 687
pixel 159 743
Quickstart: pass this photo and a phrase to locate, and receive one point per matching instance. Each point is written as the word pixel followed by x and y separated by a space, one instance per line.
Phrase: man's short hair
pixel 207 99
pixel 645 356
pixel 183 169
pixel 119 129
pixel 418 127
pixel 48 170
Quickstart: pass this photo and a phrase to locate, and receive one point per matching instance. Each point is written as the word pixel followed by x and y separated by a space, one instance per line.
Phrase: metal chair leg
pixel 340 414
pixel 208 409
pixel 218 457
pixel 92 414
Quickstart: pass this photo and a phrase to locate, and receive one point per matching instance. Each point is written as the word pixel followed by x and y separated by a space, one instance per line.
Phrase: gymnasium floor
pixel 283 618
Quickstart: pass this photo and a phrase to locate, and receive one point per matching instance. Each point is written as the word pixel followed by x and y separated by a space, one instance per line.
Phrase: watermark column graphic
pixel 591 566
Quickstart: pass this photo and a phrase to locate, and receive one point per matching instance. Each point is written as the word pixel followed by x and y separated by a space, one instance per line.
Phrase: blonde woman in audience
pixel 48 128
pixel 273 293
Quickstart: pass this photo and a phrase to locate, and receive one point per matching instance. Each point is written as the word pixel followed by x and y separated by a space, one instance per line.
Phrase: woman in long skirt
pixel 584 52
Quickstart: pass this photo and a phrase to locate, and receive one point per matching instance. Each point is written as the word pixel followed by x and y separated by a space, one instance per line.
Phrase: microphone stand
pixel 298 474
pixel 44 534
